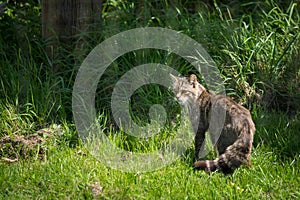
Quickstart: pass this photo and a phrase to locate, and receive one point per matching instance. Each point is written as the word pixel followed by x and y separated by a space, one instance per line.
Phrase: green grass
pixel 70 172
pixel 256 48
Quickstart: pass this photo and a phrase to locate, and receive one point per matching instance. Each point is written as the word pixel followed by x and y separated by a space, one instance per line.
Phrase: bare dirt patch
pixel 16 147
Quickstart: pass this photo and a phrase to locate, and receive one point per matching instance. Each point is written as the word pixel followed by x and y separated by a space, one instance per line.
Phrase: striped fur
pixel 235 141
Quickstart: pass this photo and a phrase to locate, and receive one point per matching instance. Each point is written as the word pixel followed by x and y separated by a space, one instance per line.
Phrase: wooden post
pixel 63 19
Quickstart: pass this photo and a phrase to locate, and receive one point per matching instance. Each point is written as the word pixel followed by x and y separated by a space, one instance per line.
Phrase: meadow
pixel 256 48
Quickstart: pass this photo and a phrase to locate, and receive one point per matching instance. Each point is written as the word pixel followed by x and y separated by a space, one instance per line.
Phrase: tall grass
pixel 256 52
pixel 262 55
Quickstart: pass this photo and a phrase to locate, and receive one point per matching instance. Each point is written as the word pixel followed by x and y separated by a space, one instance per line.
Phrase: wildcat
pixel 205 112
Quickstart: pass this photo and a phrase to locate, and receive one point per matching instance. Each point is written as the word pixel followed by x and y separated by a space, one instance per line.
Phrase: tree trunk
pixel 63 19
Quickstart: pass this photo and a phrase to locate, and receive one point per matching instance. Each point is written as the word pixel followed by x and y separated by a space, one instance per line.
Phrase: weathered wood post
pixel 63 19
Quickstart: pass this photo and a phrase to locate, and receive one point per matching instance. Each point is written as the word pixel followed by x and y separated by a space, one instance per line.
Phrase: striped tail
pixel 235 155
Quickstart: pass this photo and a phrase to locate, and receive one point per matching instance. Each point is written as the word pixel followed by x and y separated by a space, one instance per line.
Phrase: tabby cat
pixel 205 109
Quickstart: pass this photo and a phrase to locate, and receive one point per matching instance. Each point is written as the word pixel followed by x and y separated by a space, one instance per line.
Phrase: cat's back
pixel 235 112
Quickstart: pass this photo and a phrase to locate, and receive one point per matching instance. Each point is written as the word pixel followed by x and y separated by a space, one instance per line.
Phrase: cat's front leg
pixel 199 142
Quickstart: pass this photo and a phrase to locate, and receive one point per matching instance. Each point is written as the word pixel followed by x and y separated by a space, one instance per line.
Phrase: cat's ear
pixel 193 80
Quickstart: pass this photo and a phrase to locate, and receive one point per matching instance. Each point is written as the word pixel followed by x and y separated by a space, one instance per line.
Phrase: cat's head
pixel 187 90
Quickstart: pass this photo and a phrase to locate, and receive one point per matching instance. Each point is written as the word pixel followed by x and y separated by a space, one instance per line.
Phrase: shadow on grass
pixel 278 132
